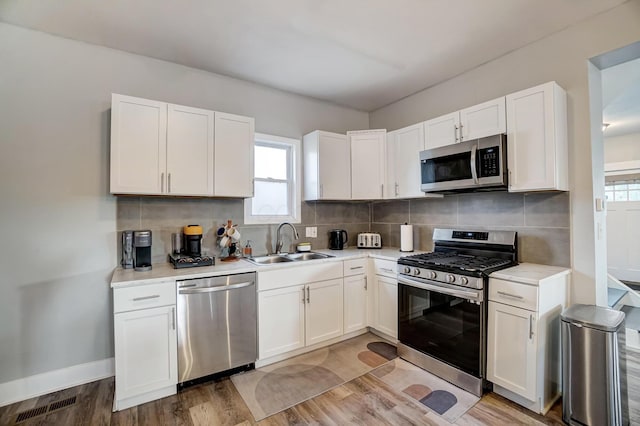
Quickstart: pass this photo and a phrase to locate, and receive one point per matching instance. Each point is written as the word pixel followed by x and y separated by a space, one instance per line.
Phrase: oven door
pixel 443 321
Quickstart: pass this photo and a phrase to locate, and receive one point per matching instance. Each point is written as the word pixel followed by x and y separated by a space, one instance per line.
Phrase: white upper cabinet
pixel 537 147
pixel 160 148
pixel 234 147
pixel 368 164
pixel 138 145
pixel 403 161
pixel 478 121
pixel 189 151
pixel 486 119
pixel 327 166
pixel 442 131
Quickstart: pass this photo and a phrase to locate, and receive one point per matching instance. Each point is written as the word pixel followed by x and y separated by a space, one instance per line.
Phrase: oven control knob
pixel 433 275
pixel 407 270
pixel 463 280
pixel 416 271
pixel 451 278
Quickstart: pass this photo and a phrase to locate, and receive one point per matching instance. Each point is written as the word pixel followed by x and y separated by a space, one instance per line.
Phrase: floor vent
pixel 34 412
pixel 62 404
pixel 39 411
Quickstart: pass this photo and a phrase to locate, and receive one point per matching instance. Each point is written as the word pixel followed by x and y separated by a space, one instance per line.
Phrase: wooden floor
pixel 365 400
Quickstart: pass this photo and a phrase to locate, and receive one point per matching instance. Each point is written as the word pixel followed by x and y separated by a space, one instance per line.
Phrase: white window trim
pixel 296 197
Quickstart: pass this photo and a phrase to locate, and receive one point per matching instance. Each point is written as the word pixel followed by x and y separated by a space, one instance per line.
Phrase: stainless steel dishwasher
pixel 217 325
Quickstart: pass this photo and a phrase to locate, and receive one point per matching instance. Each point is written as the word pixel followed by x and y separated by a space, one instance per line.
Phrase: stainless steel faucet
pixel 279 239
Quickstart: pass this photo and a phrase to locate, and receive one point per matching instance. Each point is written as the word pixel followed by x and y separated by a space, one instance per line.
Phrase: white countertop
pixel 529 273
pixel 162 271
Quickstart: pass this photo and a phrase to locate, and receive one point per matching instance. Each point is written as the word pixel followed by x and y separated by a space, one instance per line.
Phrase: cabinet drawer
pixel 144 296
pixel 514 294
pixel 355 267
pixel 387 268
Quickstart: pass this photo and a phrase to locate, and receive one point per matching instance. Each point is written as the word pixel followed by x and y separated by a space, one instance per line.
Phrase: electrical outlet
pixel 311 232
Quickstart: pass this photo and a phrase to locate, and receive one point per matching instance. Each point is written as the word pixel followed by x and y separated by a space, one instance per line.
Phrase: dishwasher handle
pixel 217 288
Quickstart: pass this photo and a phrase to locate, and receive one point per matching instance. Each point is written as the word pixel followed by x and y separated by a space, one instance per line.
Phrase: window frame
pixel 294 161
pixel 614 187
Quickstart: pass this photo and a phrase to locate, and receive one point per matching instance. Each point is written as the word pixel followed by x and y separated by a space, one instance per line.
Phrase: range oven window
pixel 445 327
pixel 446 169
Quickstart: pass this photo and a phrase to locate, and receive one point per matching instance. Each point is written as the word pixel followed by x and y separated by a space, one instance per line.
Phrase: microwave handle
pixel 474 172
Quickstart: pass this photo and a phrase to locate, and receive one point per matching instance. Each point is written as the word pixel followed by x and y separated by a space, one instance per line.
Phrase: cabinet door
pixel 233 158
pixel 281 320
pixel 145 351
pixel 511 349
pixel 334 167
pixel 536 122
pixel 189 151
pixel 406 147
pixel 442 131
pixel 138 145
pixel 486 119
pixel 387 305
pixel 355 303
pixel 324 311
pixel 368 172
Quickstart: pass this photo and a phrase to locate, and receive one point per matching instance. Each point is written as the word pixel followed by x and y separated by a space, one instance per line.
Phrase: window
pixel 622 191
pixel 277 181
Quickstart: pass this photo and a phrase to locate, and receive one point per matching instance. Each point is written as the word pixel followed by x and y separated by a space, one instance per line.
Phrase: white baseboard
pixel 52 381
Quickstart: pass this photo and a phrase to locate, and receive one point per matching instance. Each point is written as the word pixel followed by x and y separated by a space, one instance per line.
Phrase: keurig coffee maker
pixel 142 250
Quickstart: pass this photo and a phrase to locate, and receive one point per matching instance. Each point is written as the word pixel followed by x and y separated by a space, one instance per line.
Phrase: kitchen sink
pixel 308 256
pixel 281 258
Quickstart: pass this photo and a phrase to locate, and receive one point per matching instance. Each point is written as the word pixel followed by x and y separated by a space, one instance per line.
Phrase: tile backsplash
pixel 541 220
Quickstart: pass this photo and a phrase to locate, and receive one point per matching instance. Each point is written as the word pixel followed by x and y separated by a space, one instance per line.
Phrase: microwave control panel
pixel 489 159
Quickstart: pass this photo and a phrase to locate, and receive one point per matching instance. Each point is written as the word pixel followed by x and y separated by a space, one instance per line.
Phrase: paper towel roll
pixel 406 237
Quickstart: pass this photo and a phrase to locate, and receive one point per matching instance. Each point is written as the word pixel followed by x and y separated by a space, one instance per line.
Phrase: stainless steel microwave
pixel 479 164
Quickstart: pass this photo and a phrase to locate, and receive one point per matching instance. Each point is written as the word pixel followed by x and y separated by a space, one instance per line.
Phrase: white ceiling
pixel 360 53
pixel 621 99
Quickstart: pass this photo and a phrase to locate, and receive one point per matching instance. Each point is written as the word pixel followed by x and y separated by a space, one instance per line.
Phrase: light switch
pixel 600 204
pixel 311 232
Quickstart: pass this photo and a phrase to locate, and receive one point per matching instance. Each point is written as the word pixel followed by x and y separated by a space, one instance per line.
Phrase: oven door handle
pixel 476 296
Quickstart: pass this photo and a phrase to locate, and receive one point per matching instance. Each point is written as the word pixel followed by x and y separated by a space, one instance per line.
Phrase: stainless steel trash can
pixel 594 376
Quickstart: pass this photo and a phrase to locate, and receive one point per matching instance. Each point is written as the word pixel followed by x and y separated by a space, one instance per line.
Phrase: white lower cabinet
pixel 146 346
pixel 523 336
pixel 323 316
pixel 512 365
pixel 355 303
pixel 281 320
pixel 386 306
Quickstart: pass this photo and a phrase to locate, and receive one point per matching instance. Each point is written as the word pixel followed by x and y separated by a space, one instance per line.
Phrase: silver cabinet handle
pixel 382 191
pixel 303 298
pixel 510 179
pixel 308 295
pixel 355 267
pixel 137 299
pixel 515 296
pixel 386 270
pixel 321 190
pixel 173 318
pixel 365 283
pixel 397 189
pixel 162 182
pixel 530 326
pixel 455 132
pixel 169 183
pixel 460 130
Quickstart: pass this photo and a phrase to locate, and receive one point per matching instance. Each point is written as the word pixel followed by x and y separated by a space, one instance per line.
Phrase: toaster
pixel 369 240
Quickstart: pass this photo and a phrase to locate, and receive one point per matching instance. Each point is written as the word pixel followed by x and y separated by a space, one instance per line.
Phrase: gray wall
pixel 562 57
pixel 58 221
pixel 622 148
pixel 541 220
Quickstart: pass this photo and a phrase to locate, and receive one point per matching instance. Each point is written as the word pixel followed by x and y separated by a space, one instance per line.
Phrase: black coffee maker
pixel 337 239
pixel 142 250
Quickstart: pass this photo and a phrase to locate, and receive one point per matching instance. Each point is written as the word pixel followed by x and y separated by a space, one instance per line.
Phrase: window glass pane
pixel 608 187
pixel 634 186
pixel 270 162
pixel 609 195
pixel 620 196
pixel 271 199
pixel 634 195
pixel 621 187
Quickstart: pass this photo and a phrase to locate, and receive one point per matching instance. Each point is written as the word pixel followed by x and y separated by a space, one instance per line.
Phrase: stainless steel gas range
pixel 442 310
